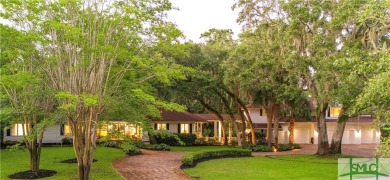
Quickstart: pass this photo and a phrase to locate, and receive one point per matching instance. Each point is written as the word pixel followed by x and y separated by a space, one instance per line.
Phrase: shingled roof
pixel 178 116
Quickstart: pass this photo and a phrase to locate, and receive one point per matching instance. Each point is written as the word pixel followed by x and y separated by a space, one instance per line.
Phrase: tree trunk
pixel 276 125
pixel 323 144
pixel 84 140
pixel 270 115
pixel 243 133
pixel 224 137
pixel 337 137
pixel 242 105
pixel 291 130
pixel 237 133
pixel 218 114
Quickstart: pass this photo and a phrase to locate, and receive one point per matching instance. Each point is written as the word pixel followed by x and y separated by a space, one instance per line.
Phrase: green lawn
pixel 198 148
pixel 272 167
pixel 16 161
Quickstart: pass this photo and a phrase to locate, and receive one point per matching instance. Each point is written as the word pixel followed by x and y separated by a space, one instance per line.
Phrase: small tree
pixel 26 101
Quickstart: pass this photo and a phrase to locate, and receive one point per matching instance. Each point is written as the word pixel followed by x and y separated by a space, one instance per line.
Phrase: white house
pixel 358 130
pixel 175 122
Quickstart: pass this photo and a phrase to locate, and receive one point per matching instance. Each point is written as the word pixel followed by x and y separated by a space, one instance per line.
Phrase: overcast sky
pixel 198 16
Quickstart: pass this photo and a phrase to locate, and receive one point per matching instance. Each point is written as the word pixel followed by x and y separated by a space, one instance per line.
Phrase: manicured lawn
pixel 272 167
pixel 16 161
pixel 198 148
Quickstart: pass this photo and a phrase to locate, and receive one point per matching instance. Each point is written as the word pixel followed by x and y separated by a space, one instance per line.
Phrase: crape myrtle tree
pixel 25 97
pixel 89 48
pixel 319 36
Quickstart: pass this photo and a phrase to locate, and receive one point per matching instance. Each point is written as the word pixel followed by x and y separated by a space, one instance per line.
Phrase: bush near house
pixel 130 149
pixel 67 140
pixel 166 137
pixel 256 148
pixel 287 147
pixel 191 158
pixel 206 142
pixel 188 139
pixel 264 148
pixel 160 147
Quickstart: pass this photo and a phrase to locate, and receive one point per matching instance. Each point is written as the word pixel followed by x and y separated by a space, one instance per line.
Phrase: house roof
pixel 211 116
pixel 252 105
pixel 178 116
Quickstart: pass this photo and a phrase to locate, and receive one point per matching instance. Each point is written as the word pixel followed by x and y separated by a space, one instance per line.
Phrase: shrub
pixel 130 149
pixel 247 146
pixel 169 138
pixel 162 147
pixel 67 141
pixel 138 144
pixel 213 142
pixel 188 139
pixel 190 158
pixel 287 147
pixel 201 141
pixel 111 143
pixel 261 148
pixel 233 142
pixel 296 146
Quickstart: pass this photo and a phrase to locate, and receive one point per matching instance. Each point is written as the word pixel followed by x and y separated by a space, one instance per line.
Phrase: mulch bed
pixel 42 173
pixel 74 160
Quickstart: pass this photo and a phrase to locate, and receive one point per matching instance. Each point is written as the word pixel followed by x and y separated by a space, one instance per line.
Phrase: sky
pixel 197 16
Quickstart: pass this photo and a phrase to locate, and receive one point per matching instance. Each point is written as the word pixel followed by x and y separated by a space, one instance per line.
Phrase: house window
pixel 17 130
pixel 161 126
pixel 334 112
pixel 262 112
pixel 184 128
pixel 65 130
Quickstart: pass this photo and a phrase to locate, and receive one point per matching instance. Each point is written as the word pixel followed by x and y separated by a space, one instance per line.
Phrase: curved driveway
pixel 163 165
pixel 152 165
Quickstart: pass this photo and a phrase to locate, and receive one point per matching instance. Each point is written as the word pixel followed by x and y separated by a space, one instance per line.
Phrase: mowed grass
pixel 268 167
pixel 17 161
pixel 198 148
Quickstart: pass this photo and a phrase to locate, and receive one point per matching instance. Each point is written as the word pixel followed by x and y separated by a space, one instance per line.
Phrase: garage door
pixel 301 135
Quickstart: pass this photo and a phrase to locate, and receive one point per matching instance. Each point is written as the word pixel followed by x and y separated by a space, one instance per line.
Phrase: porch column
pixel 215 129
pixel 219 131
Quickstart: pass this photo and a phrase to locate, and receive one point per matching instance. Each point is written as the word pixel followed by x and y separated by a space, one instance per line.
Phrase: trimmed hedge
pixel 190 158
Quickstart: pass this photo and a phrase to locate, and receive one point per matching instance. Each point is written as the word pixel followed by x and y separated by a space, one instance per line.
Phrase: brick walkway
pixel 151 165
pixel 164 165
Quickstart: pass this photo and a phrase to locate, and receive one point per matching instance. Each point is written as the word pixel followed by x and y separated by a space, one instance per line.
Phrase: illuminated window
pixel 184 128
pixel 161 126
pixel 334 112
pixel 65 130
pixel 17 130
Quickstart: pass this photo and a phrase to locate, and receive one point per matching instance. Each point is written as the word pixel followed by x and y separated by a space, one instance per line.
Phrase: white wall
pixel 51 135
pixel 351 134
pixel 255 115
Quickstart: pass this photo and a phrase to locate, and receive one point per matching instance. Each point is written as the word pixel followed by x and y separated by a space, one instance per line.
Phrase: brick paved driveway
pixel 152 165
pixel 165 165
